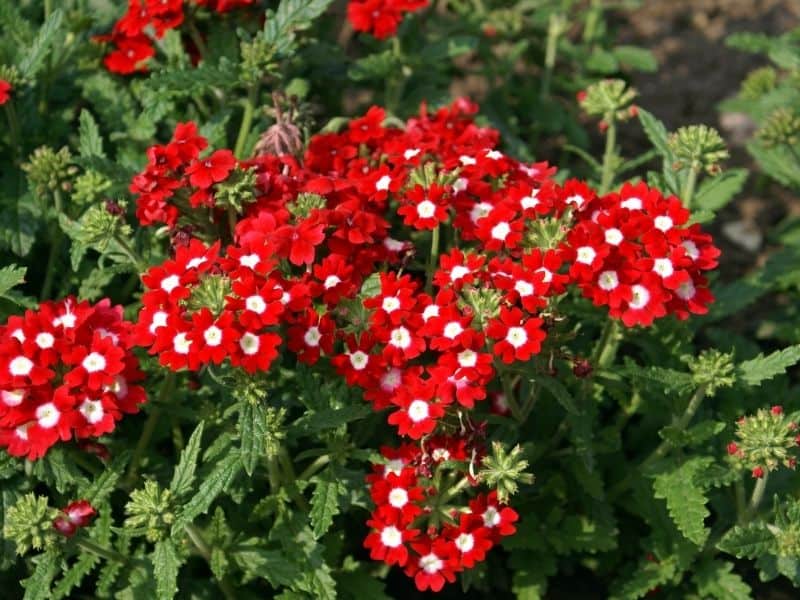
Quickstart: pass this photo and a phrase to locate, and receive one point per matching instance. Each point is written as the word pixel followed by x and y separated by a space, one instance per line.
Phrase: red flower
pixel 5 91
pixel 424 209
pixel 76 515
pixel 298 242
pixel 130 56
pixel 516 338
pixel 436 563
pixel 204 172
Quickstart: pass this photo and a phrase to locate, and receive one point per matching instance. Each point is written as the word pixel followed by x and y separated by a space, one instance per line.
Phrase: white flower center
pixel 663 266
pixel 394 466
pixel 390 304
pixel 418 411
pixel 501 231
pixel 45 340
pixel 181 343
pixel 159 320
pixel 411 153
pixel 640 296
pixel 94 362
pixel 312 336
pixel 613 236
pixel 400 338
pixel 465 542
pixel 20 336
pixel 691 249
pixel 432 310
pixel 196 262
pixel 249 260
pixel 576 199
pixel 391 380
pixel 398 497
pixel 383 183
pixel 632 204
pixel 256 304
pixel 460 185
pixel 494 154
pixel 170 283
pixel 548 274
pixel 452 330
pixel 480 210
pixel 686 290
pixel 47 415
pixel 391 537
pixel 517 336
pixel 359 360
pixel 440 454
pixel 92 410
pixel 530 201
pixel 430 563
pixel 22 430
pixel 467 358
pixel 213 336
pixel 249 343
pixel 20 366
pixel 523 288
pixel 12 397
pixel 426 209
pixel 119 388
pixel 585 255
pixel 458 272
pixel 467 160
pixel 491 517
pixel 331 281
pixel 608 280
pixel 663 223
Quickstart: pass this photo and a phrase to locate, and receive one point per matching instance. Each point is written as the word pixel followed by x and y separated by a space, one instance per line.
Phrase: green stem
pixel 204 550
pixel 101 551
pixel 315 466
pixel 233 217
pixel 56 239
pixel 508 392
pixel 395 84
pixel 609 156
pixel 197 38
pixel 134 257
pixel 247 121
pixel 48 8
pixel 13 128
pixel 688 189
pixel 433 258
pixel 757 497
pixel 606 350
pixel 149 429
pixel 679 423
pixel 554 30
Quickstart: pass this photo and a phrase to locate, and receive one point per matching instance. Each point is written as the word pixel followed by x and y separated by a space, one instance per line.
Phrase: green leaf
pixel 640 59
pixel 602 61
pixel 220 479
pixel 373 66
pixel 90 143
pixel 761 368
pixel 646 577
pixel 715 579
pixel 716 192
pixel 447 47
pixel 669 380
pixel 324 503
pixel 252 432
pixel 10 277
pixel 559 392
pixel 183 477
pixel 166 565
pixel 748 541
pixel 74 575
pixel 686 502
pixel 37 586
pixel 19 224
pixel 655 131
pixel 331 418
pixel 106 481
pixel 33 57
pixel 271 565
pixel 291 15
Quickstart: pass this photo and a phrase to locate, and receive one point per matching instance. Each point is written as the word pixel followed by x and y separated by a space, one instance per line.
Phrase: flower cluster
pixel 380 17
pixel 132 35
pixel 312 262
pixel 765 441
pixel 76 515
pixel 405 496
pixel 65 370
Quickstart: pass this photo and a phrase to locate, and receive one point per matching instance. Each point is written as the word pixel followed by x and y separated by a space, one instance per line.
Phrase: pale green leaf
pixel 220 479
pixel 715 579
pixel 183 477
pixel 252 432
pixel 761 368
pixel 90 143
pixel 686 501
pixel 324 504
pixel 34 56
pixel 748 541
pixel 166 565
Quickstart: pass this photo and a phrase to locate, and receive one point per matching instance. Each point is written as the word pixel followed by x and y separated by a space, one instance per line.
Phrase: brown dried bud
pixel 581 367
pixel 280 139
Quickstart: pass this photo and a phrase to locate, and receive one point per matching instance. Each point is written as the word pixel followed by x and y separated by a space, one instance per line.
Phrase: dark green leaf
pixel 748 541
pixel 34 56
pixel 166 565
pixel 90 142
pixel 183 477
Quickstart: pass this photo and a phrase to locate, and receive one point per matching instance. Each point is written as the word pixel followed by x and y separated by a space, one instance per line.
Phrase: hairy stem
pixel 204 550
pixel 148 430
pixel 554 30
pixel 757 496
pixel 609 156
pixel 247 121
pixel 688 189
pixel 101 551
pixel 433 258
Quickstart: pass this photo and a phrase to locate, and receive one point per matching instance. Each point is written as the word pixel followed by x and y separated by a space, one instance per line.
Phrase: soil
pixel 696 72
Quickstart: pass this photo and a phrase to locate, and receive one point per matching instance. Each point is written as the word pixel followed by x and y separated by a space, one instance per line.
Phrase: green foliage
pixel 761 368
pixel 685 497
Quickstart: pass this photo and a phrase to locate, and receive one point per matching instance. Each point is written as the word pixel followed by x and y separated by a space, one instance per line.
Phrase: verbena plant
pixel 356 340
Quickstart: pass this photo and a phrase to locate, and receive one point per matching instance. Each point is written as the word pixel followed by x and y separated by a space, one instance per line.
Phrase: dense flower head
pixel 66 371
pixel 132 35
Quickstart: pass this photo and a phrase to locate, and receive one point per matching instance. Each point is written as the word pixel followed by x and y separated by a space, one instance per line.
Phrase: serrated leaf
pixel 90 143
pixel 560 393
pixel 183 477
pixel 10 277
pixel 33 56
pixel 220 479
pixel 748 541
pixel 646 577
pixel 374 66
pixel 37 586
pixel 761 368
pixel 252 434
pixel 291 15
pixel 166 565
pixel 718 191
pixel 104 483
pixel 74 575
pixel 448 47
pixel 679 437
pixel 332 418
pixel 324 504
pixel 670 380
pixel 271 565
pixel 637 58
pixel 715 579
pixel 655 132
pixel 686 501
